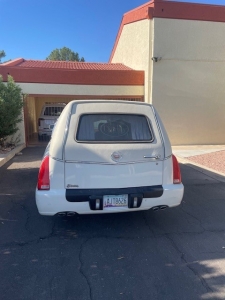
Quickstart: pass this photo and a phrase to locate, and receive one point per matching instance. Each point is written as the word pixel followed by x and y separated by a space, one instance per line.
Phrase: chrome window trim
pixel 107 163
pixel 57 159
pixel 89 162
pixel 104 163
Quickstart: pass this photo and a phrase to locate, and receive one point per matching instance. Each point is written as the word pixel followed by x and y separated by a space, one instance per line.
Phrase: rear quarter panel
pixel 59 133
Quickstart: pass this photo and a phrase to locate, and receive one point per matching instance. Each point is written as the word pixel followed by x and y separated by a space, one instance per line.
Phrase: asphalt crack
pixel 182 255
pixel 37 238
pixel 81 267
pixel 27 219
pixel 27 215
pixel 147 224
pixel 51 234
pixel 194 217
pixel 188 265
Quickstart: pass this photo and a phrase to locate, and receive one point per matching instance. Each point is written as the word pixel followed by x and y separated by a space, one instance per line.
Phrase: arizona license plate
pixel 115 201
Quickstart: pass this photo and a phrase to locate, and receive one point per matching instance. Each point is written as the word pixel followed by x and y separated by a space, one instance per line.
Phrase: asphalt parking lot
pixel 174 254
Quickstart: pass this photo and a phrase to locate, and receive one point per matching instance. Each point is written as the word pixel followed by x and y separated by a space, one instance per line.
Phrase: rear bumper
pixel 82 195
pixel 54 201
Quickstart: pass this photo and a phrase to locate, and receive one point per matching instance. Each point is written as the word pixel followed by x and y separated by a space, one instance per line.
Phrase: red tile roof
pixel 68 65
pixel 60 72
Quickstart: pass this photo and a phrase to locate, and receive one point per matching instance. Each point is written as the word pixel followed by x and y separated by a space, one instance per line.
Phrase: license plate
pixel 115 201
pixel 49 122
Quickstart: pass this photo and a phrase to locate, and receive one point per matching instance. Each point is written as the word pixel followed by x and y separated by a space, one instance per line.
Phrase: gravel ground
pixel 214 160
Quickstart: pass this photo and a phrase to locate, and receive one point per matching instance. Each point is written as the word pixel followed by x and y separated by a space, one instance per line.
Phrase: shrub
pixel 11 103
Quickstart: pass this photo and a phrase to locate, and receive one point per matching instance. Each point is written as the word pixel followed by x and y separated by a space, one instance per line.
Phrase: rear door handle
pixel 153 157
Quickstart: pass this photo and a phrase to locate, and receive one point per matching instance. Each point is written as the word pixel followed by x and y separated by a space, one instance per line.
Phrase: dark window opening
pixel 114 128
pixel 53 111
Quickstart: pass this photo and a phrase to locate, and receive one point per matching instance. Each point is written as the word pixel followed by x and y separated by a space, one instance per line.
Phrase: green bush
pixel 11 103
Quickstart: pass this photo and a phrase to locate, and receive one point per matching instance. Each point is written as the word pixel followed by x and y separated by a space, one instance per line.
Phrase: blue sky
pixel 31 29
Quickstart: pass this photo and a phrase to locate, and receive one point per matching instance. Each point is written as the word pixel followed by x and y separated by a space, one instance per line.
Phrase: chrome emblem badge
pixel 116 156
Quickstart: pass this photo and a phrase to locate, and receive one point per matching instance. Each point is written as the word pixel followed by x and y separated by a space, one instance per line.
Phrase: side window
pixel 114 128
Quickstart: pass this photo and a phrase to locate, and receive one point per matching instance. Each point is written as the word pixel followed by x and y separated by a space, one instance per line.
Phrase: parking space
pixel 32 114
pixel 173 254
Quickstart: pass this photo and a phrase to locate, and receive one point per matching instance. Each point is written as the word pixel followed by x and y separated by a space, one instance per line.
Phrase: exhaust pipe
pixel 70 213
pixel 66 213
pixel 160 207
pixel 155 208
pixel 61 214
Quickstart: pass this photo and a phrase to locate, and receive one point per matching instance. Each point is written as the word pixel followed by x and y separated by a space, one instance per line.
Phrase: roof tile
pixel 79 73
pixel 71 65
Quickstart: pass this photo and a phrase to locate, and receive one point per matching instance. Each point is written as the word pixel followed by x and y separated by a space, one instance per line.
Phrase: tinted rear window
pixel 114 127
pixel 53 111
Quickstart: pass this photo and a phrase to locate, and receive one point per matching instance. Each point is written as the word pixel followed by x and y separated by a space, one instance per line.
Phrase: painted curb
pixel 4 158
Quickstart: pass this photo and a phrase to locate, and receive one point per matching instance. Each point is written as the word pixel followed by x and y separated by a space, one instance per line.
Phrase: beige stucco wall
pixel 189 80
pixel 21 132
pixel 31 115
pixel 134 49
pixel 70 89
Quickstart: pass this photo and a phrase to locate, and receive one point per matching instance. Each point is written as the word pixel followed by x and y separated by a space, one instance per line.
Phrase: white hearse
pixel 108 156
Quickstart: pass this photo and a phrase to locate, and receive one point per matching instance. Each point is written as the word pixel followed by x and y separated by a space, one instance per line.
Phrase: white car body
pixel 49 115
pixel 89 176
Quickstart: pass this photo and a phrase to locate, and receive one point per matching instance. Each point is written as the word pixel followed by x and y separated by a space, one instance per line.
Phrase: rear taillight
pixel 176 171
pixel 43 176
pixel 39 121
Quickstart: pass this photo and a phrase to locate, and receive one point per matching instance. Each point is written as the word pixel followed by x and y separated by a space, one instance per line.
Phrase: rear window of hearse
pixel 114 128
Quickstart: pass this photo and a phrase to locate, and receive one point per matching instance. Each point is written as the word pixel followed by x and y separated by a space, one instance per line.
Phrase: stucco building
pixel 170 54
pixel 181 48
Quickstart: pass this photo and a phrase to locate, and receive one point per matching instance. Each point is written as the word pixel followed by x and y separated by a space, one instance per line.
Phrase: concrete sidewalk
pixel 4 157
pixel 214 153
pixel 188 151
